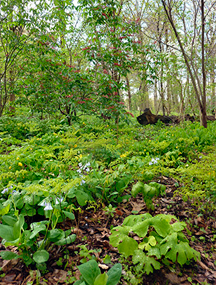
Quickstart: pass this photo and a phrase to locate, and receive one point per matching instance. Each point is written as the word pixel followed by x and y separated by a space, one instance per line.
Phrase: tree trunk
pixel 155 95
pixel 200 94
pixel 129 94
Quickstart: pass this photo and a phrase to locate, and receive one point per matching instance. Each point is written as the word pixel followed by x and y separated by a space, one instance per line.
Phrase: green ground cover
pixel 50 172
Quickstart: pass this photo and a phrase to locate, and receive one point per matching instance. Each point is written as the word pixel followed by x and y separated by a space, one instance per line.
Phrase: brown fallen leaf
pixel 9 264
pixel 173 278
pixel 137 206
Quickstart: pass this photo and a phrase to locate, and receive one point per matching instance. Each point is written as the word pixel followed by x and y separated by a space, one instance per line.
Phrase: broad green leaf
pixel 162 227
pixel 183 252
pixel 8 255
pixel 101 279
pixel 118 234
pixel 150 262
pixel 144 261
pixel 178 226
pixel 148 243
pixel 17 227
pixel 127 246
pixel 154 251
pixel 148 175
pixel 82 198
pixel 137 188
pixel 55 234
pixel 79 283
pixel 138 259
pixel 69 215
pixel 167 243
pixel 41 256
pixel 9 220
pixel 120 185
pixel 132 220
pixel 66 240
pixel 6 232
pixel 114 274
pixel 4 210
pixel 146 189
pixel 89 271
pixel 37 227
pixel 141 228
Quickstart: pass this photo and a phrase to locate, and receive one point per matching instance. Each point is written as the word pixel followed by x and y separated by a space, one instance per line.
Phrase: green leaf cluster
pixel 158 240
pixel 149 191
pixel 91 274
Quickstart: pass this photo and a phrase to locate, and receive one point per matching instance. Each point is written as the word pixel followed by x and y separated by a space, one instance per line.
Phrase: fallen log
pixel 148 118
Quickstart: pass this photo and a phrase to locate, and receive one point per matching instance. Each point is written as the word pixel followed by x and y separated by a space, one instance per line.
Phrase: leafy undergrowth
pixel 65 189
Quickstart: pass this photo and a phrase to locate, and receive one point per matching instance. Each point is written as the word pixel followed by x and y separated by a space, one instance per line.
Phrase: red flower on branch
pixel 86 48
pixel 130 114
pixel 117 64
pixel 103 14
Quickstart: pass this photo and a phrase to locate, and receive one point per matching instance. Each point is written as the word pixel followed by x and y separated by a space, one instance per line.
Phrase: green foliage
pixel 53 171
pixel 149 191
pixel 91 274
pixel 159 240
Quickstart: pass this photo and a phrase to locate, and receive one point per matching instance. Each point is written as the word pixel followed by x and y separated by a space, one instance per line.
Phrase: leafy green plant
pixel 33 241
pixel 149 191
pixel 91 274
pixel 86 254
pixel 159 241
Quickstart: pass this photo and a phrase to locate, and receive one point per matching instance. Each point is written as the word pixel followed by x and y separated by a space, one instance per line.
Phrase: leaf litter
pixel 93 231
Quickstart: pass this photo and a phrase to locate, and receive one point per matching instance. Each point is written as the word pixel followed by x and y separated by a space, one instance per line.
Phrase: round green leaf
pixel 41 256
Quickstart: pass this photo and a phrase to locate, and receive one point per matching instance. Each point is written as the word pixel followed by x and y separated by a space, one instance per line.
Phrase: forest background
pixel 94 56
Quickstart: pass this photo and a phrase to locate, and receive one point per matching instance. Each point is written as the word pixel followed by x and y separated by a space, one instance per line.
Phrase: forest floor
pixel 93 230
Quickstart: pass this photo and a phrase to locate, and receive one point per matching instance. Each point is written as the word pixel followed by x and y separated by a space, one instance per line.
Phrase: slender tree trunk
pixel 12 95
pixel 129 94
pixel 155 95
pixel 203 109
pixel 200 96
pixel 213 93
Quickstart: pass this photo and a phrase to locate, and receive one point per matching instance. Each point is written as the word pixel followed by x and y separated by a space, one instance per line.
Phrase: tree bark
pixel 200 95
pixel 129 93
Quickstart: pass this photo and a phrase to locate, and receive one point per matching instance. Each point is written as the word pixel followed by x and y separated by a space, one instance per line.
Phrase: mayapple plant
pixel 157 241
pixel 149 191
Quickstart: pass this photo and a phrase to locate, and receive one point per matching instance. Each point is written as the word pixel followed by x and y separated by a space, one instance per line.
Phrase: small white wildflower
pixel 154 160
pixel 48 207
pixel 59 200
pixel 80 164
pixel 200 156
pixel 43 203
pixel 87 164
pixel 82 182
pixel 5 191
pixel 87 169
pixel 79 171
